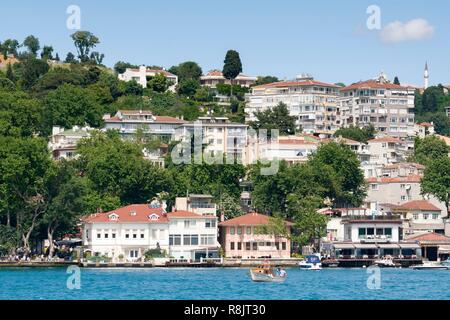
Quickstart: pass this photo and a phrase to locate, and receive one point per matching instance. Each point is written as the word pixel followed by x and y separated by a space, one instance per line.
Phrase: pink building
pixel 239 239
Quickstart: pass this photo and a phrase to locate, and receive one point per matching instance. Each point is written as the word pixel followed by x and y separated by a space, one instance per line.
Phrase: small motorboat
pixel 311 262
pixel 387 263
pixel 430 266
pixel 266 273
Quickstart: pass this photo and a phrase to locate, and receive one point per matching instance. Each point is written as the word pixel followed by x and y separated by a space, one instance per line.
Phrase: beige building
pixel 144 74
pixel 215 77
pixel 387 106
pixel 313 103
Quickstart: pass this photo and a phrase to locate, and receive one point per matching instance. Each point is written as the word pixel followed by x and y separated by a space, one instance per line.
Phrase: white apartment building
pixel 218 135
pixel 127 122
pixel 313 103
pixel 387 150
pixel 144 74
pixel 125 234
pixel 389 107
pixel 63 142
pixel 215 77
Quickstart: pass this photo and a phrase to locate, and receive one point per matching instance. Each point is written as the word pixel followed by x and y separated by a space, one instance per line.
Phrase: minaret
pixel 426 76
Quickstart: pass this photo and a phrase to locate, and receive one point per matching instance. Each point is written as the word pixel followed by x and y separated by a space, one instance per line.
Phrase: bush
pixel 155 253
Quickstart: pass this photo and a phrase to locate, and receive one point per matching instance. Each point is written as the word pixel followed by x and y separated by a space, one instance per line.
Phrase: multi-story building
pixel 387 106
pixel 127 233
pixel 127 122
pixel 218 135
pixel 387 150
pixel 313 103
pixel 240 238
pixel 63 142
pixel 143 74
pixel 215 77
pixel 202 204
pixel 424 129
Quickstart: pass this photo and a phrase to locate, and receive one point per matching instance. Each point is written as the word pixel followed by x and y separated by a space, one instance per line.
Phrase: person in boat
pixel 281 273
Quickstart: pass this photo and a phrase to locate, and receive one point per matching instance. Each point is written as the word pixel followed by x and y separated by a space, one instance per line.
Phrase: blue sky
pixel 328 39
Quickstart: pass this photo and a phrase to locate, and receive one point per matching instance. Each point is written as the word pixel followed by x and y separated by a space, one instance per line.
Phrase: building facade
pixel 143 74
pixel 63 142
pixel 240 239
pixel 387 106
pixel 313 103
pixel 215 77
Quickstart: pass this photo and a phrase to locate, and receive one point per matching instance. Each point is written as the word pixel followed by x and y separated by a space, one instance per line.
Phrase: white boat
pixel 387 263
pixel 311 262
pixel 446 262
pixel 264 274
pixel 430 266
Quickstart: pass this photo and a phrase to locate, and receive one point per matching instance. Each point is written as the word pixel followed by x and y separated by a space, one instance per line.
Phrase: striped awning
pixel 366 246
pixel 409 246
pixel 341 246
pixel 444 249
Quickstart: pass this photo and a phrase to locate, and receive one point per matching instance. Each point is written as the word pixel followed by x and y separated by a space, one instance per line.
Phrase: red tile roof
pixel 158 119
pixel 425 124
pixel 306 83
pixel 408 179
pixel 422 205
pixel 430 237
pixel 404 165
pixel 373 84
pixel 131 213
pixel 251 219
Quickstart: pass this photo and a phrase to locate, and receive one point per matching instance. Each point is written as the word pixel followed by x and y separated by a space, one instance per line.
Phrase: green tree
pixel 158 83
pixel 47 53
pixel 188 87
pixel 428 149
pixel 436 179
pixel 33 70
pixel 229 206
pixel 265 80
pixel 187 70
pixel 355 133
pixel 276 118
pixel 10 73
pixel 132 88
pixel 232 66
pixel 70 58
pixel 120 66
pixel 84 41
pixel 97 57
pixel 32 44
pixel 396 81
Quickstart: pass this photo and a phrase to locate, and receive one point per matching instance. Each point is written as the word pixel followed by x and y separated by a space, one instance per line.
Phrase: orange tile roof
pixel 408 179
pixel 425 124
pixel 251 219
pixel 158 119
pixel 421 205
pixel 430 237
pixel 387 139
pixel 306 83
pixel 373 84
pixel 403 165
pixel 131 213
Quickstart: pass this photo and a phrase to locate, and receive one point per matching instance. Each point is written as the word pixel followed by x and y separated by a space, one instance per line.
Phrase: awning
pixel 444 249
pixel 366 246
pixel 342 246
pixel 389 246
pixel 409 246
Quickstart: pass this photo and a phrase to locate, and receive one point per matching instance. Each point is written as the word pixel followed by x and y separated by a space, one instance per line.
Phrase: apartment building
pixel 218 135
pixel 127 122
pixel 387 106
pixel 143 74
pixel 313 103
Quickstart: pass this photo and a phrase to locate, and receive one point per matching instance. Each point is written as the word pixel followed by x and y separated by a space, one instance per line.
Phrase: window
pixel 403 198
pixel 175 240
pixel 207 239
pixel 388 232
pixel 374 186
pixel 99 235
pixel 277 245
pixel 239 230
pixel 210 223
pixel 153 233
pixel 435 216
pixel 113 235
pixel 134 235
pixel 249 230
pixel 239 245
pixel 189 223
pixel 232 230
pixel 415 216
pixel 127 235
pixel 255 246
pixel 247 246
pixel 87 234
pixel 426 216
pixel 142 236
pixel 106 235
pixel 231 245
pixel 283 246
pixel 190 240
pixel 362 232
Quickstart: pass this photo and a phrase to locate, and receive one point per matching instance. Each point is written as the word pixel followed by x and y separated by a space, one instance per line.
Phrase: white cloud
pixel 413 30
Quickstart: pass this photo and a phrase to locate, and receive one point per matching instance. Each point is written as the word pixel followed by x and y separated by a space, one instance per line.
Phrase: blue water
pixel 218 284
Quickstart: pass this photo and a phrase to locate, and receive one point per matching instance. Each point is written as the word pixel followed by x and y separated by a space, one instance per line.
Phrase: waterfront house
pixel 127 233
pixel 240 238
pixel 143 74
pixel 434 246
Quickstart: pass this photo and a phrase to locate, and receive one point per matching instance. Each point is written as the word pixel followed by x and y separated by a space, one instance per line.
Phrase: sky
pixel 329 39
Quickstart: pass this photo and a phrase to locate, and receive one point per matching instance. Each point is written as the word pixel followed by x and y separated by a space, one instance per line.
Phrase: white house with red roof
pixel 241 239
pixel 142 75
pixel 127 122
pixel 132 230
pixel 387 106
pixel 312 102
